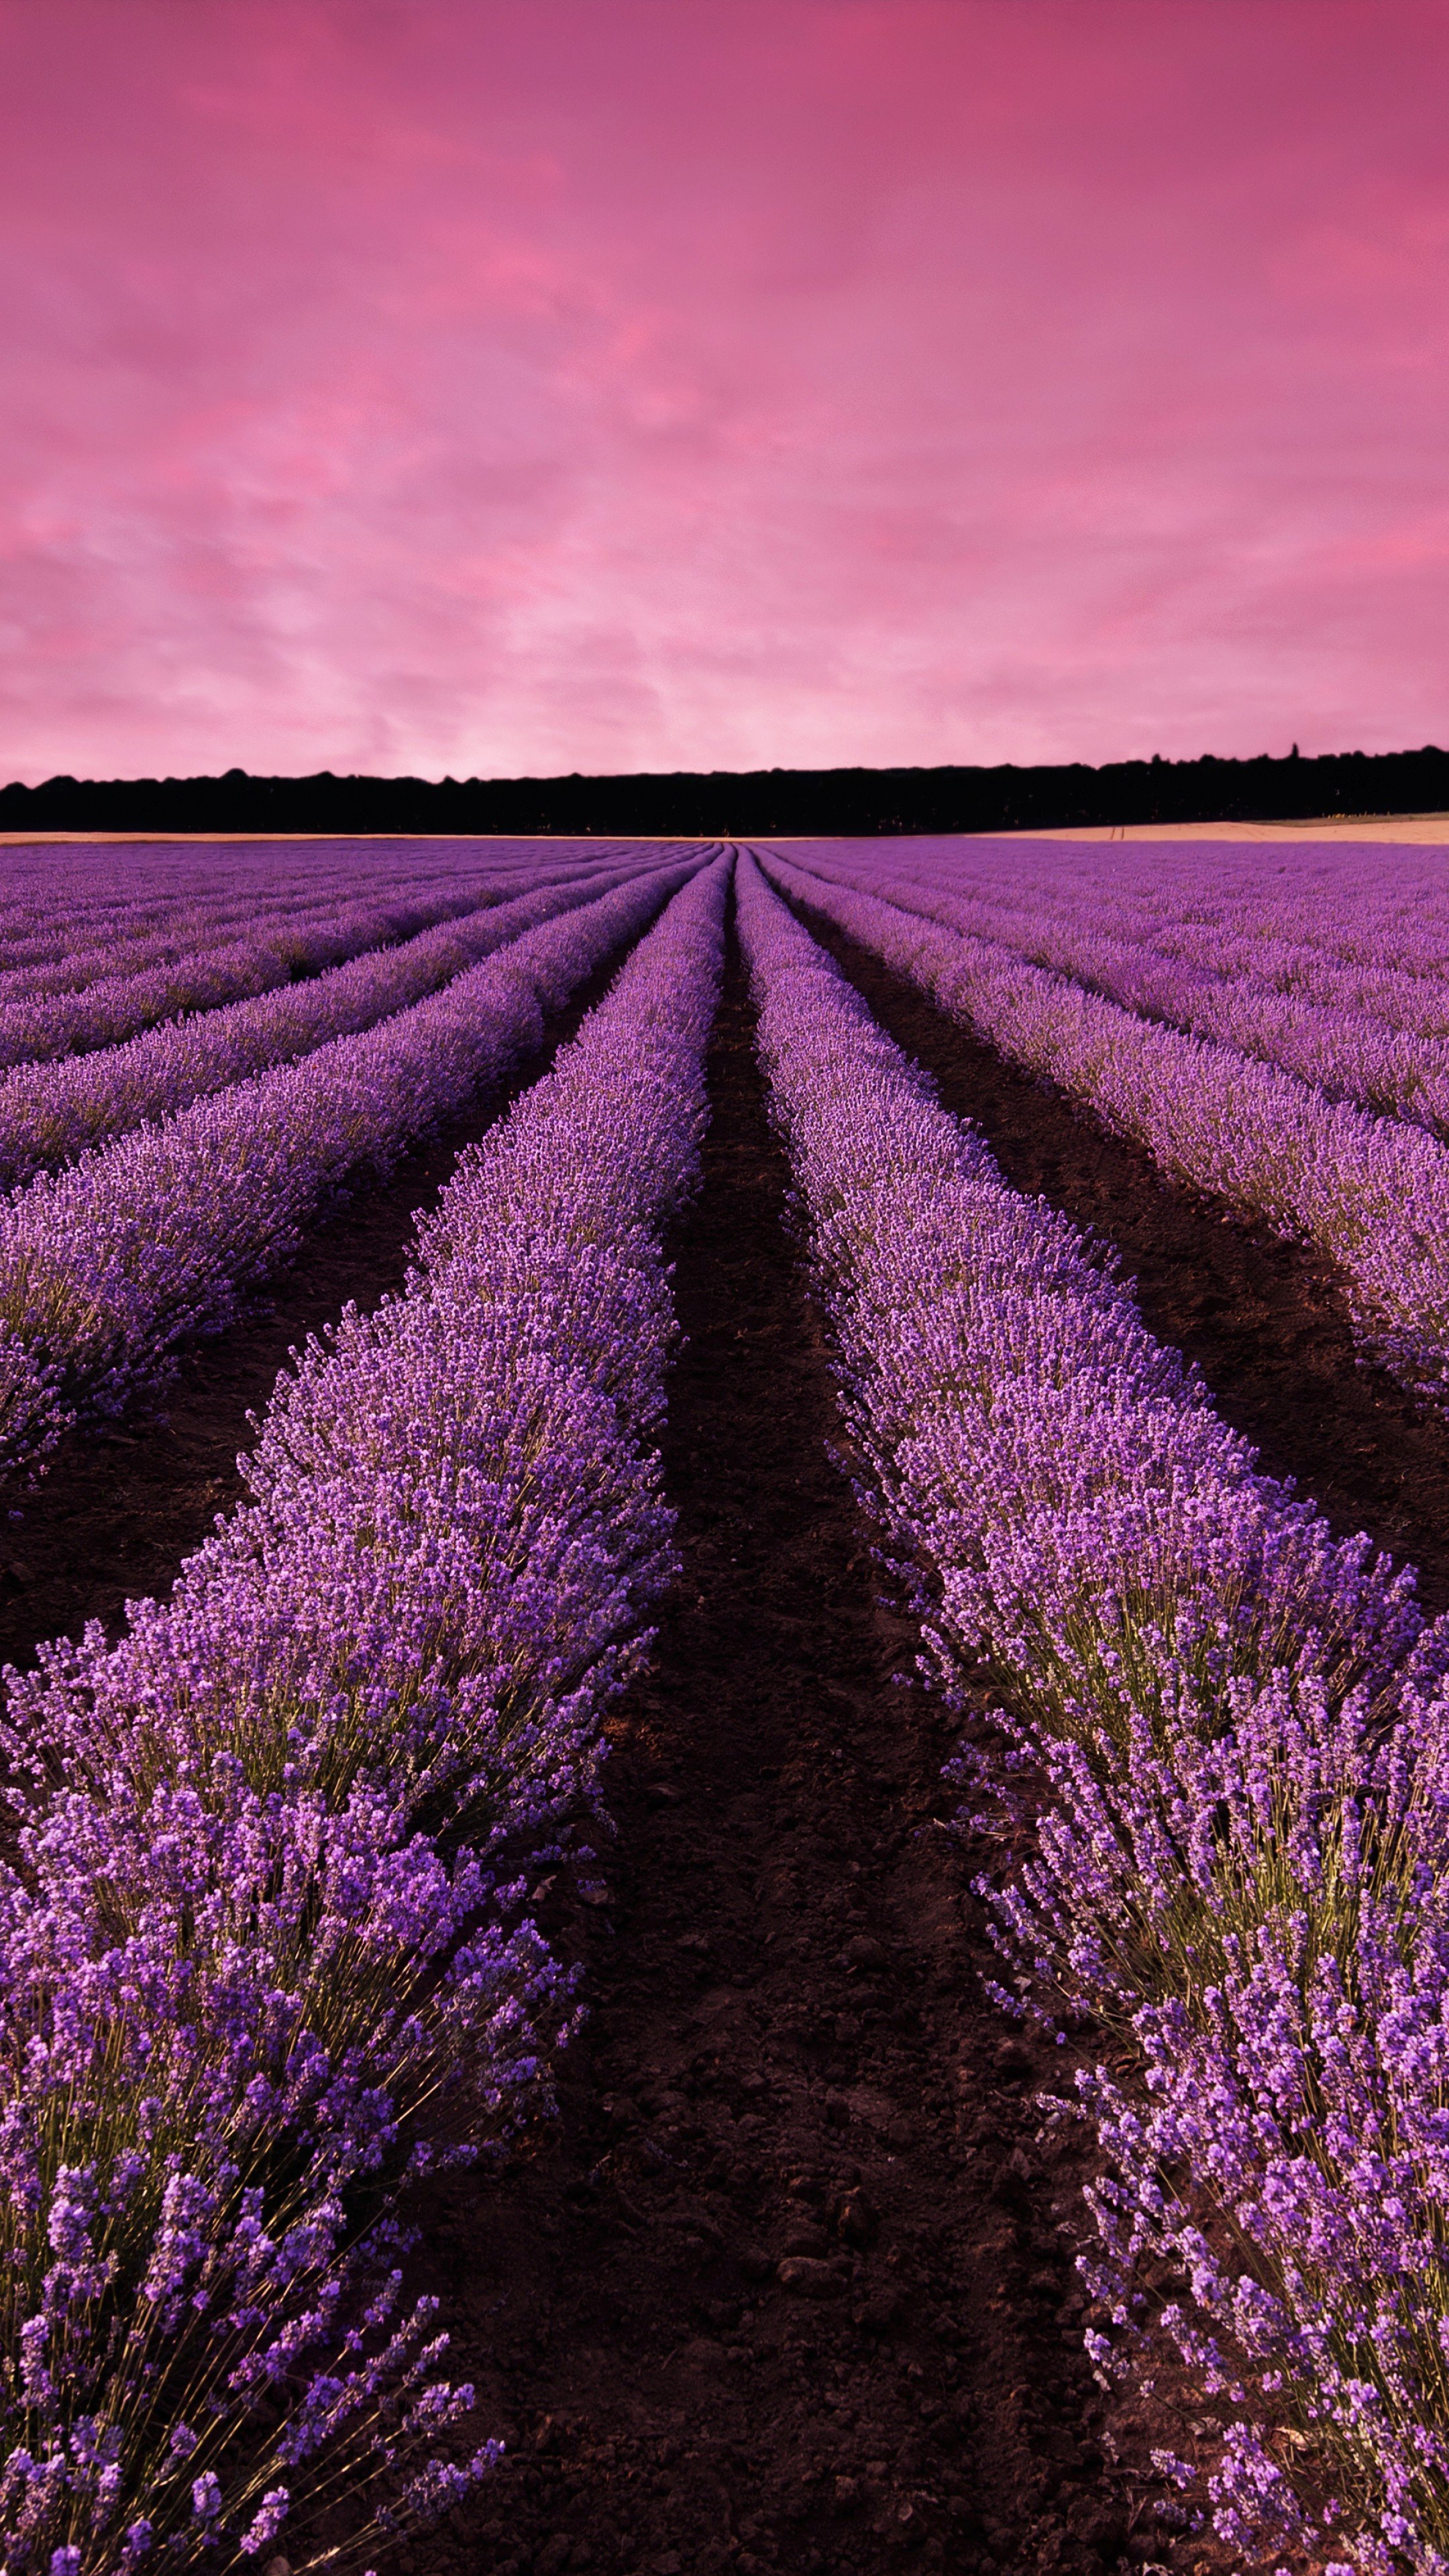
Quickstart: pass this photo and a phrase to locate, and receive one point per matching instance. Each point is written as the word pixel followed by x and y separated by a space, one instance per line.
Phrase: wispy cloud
pixel 508 385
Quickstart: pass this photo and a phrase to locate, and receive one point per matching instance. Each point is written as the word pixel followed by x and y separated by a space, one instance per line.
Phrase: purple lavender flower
pixel 50 1112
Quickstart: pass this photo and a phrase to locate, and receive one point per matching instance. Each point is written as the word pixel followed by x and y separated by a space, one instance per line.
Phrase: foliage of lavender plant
pixel 66 924
pixel 1371 1194
pixel 144 926
pixel 266 1954
pixel 49 1112
pixel 1233 1733
pixel 106 1266
pixel 94 941
pixel 62 957
pixel 53 897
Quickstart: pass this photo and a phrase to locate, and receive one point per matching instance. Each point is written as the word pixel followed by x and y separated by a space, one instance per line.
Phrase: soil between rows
pixel 784 2285
pixel 1265 1321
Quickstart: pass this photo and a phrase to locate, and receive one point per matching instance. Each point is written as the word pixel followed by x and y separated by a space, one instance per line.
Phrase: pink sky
pixel 534 385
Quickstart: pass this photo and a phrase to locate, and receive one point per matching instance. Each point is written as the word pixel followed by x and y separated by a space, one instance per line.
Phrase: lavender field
pixel 726 1741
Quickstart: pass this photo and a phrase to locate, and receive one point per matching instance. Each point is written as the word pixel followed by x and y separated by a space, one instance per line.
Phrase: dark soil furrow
pixel 783 2286
pixel 120 1507
pixel 1265 1321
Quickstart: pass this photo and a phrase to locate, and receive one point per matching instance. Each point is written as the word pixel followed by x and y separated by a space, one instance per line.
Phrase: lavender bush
pixel 1315 1020
pixel 66 923
pixel 265 1949
pixel 60 959
pixel 96 997
pixel 110 1006
pixel 1360 927
pixel 1233 1734
pixel 49 1112
pixel 1369 1193
pixel 105 1267
pixel 74 934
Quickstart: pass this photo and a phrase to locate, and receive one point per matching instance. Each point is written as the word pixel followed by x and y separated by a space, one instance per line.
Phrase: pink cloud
pixel 509 385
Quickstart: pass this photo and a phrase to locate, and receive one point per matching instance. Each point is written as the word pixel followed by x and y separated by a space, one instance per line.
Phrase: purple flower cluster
pixel 1232 1735
pixel 62 959
pixel 64 924
pixel 49 1112
pixel 264 1952
pixel 106 1266
pixel 55 942
pixel 1370 1193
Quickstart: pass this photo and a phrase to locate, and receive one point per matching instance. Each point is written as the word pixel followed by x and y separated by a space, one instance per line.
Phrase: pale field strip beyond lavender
pixel 1366 830
pixel 265 1939
pixel 110 1008
pixel 51 1112
pixel 1342 1050
pixel 1237 1737
pixel 107 1266
pixel 1370 1193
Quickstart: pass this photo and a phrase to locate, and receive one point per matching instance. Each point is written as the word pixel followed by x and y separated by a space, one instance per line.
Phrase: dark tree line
pixel 756 802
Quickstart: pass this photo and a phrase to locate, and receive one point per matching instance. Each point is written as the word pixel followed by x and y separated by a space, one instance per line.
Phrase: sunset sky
pixel 497 386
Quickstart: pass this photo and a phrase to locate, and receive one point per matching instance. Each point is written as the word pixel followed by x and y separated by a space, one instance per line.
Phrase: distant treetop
pixel 754 802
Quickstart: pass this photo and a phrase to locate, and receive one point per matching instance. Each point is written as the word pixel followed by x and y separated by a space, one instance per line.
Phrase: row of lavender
pixel 1369 1193
pixel 59 900
pixel 1382 955
pixel 1358 924
pixel 1234 1735
pixel 94 998
pixel 69 951
pixel 266 1949
pixel 51 1112
pixel 1318 1018
pixel 81 948
pixel 132 924
pixel 107 1266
